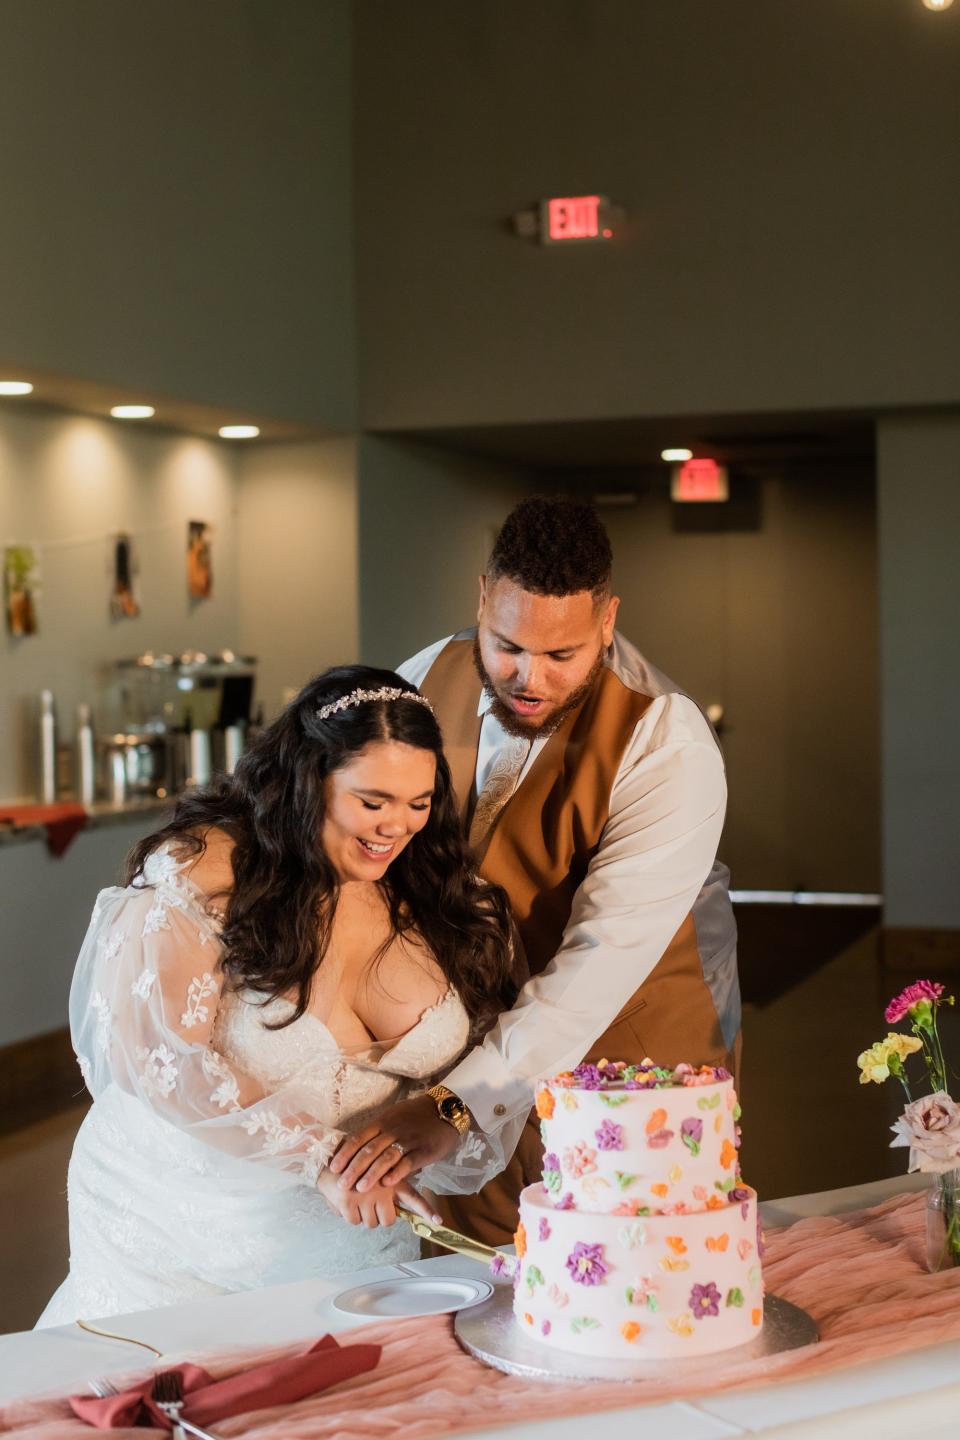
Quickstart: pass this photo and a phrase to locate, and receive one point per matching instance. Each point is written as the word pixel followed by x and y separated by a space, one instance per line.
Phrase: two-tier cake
pixel 642 1241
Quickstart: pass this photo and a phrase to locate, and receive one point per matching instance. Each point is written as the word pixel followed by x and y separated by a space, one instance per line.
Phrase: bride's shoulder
pixel 210 870
pixel 207 866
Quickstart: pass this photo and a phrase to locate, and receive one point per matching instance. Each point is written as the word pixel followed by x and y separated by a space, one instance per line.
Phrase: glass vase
pixel 943 1222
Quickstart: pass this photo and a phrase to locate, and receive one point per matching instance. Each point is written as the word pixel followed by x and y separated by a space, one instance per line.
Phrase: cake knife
pixel 449 1239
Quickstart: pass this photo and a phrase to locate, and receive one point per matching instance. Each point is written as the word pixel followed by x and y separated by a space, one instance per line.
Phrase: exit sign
pixel 699 480
pixel 570 218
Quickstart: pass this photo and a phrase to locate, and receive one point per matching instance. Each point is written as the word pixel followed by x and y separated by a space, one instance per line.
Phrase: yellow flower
pixel 875 1063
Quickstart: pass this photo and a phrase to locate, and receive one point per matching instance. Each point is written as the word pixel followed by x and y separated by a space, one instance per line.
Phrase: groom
pixel 593 791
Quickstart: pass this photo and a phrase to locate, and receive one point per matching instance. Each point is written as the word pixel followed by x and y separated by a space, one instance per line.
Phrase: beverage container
pixel 85 782
pixel 47 749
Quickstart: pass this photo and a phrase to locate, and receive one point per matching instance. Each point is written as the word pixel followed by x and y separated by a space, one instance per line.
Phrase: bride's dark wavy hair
pixel 279 914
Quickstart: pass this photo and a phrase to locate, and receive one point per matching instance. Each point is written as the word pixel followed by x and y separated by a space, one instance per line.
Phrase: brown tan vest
pixel 544 838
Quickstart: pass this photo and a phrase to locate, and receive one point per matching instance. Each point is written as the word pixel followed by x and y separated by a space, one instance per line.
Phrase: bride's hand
pixel 403 1138
pixel 376 1206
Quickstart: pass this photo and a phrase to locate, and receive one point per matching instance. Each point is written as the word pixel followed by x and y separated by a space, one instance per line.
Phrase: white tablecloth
pixel 917 1394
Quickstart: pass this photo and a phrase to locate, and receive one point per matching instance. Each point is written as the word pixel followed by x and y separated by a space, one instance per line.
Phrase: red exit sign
pixel 699 480
pixel 574 217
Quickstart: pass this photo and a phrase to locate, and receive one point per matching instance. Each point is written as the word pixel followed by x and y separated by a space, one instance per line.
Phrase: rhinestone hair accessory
pixel 364 697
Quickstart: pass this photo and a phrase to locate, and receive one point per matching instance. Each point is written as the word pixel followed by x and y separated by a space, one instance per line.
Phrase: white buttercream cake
pixel 642 1241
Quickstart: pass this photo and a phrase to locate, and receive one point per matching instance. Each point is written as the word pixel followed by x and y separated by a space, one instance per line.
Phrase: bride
pixel 303 945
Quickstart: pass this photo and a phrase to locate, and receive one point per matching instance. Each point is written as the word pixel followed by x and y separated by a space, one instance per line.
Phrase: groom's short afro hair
pixel 551 545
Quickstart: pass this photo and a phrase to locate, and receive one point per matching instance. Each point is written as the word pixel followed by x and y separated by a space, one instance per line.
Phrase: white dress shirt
pixel 655 863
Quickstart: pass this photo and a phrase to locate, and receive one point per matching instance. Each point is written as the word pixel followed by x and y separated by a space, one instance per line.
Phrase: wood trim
pixel 925 954
pixel 38 1077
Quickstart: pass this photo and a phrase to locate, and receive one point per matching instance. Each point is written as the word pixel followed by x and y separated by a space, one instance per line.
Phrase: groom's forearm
pixel 657 850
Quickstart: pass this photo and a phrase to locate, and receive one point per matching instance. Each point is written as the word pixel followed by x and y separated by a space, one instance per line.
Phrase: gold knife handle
pixel 449 1239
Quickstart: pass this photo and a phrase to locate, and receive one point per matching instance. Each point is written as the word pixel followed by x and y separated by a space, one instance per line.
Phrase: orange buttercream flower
pixel 728 1154
pixel 545 1104
pixel 520 1240
pixel 630 1329
pixel 656 1122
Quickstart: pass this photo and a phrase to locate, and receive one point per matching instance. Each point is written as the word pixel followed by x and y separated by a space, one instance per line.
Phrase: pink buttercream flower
pixel 900 1005
pixel 931 1127
pixel 579 1159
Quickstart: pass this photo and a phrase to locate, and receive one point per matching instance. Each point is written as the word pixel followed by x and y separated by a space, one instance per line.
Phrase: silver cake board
pixel 490 1333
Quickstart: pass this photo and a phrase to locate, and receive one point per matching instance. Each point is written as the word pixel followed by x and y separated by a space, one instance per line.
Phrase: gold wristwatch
pixel 450 1108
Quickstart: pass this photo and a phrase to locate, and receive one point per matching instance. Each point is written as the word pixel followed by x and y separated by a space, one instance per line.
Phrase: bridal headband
pixel 362 697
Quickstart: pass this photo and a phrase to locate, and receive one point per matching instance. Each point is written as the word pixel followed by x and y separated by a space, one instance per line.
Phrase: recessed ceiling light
pixel 239 432
pixel 938 4
pixel 132 412
pixel 15 387
pixel 678 455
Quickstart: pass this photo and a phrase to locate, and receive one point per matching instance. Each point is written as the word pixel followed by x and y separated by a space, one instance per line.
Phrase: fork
pixel 103 1388
pixel 167 1395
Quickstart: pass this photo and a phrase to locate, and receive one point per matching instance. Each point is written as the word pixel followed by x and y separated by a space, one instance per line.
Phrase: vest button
pixel 499 1109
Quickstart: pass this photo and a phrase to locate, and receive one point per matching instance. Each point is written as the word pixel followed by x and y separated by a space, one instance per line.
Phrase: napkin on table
pixel 278 1382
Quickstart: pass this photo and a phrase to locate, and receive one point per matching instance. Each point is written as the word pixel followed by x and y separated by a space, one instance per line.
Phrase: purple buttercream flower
pixel 565 1202
pixel 586 1264
pixel 738 1194
pixel 545 1328
pixel 588 1077
pixel 609 1135
pixel 723 1074
pixel 704 1301
pixel 544 1230
pixel 691 1133
pixel 504 1265
pixel 551 1161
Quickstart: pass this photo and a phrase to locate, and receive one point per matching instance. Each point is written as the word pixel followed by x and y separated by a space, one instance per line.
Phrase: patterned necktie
pixel 500 785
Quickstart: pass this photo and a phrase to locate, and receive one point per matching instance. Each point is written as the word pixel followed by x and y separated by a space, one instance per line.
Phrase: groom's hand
pixel 404 1138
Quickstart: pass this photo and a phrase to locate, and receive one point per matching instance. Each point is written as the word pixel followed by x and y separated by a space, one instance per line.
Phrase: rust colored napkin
pixel 279 1382
pixel 63 822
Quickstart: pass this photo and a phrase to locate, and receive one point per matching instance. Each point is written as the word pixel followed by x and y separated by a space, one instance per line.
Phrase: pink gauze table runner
pixel 861 1276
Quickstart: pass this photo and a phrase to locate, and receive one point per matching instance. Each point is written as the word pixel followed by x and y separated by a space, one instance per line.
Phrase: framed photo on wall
pixel 199 560
pixel 124 586
pixel 21 582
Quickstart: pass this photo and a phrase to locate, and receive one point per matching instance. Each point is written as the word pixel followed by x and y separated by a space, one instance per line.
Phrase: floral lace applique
pixel 201 987
pixel 227 1093
pixel 319 1153
pixel 159 1073
pixel 144 983
pixel 101 1008
pixel 111 945
pixel 277 1136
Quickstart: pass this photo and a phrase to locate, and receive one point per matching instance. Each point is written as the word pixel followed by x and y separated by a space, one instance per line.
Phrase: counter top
pixel 99 816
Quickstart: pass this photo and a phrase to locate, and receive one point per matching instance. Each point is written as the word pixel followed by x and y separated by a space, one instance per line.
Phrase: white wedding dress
pixel 194 1171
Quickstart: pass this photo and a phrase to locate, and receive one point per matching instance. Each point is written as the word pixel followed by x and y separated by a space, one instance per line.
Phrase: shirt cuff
pixel 491 1093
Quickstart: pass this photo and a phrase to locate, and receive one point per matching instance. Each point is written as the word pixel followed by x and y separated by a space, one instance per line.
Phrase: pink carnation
pixel 930 990
pixel 931 1127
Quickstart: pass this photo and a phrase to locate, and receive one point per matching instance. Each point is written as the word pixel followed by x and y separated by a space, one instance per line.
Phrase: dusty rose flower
pixel 929 990
pixel 931 1127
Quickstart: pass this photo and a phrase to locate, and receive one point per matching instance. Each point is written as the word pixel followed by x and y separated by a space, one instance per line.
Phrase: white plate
pixel 412 1295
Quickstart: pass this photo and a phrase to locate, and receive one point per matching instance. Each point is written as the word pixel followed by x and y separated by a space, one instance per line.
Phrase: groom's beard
pixel 511 721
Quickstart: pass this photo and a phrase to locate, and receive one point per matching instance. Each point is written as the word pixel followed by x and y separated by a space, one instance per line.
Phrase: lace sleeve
pixel 480 1156
pixel 143 1003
